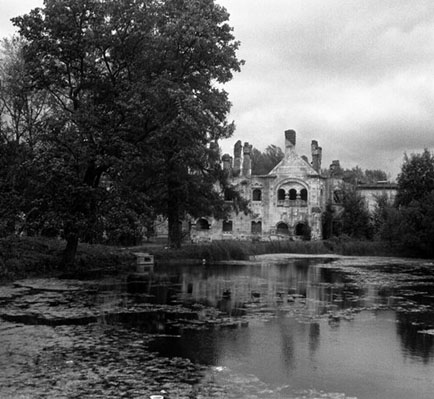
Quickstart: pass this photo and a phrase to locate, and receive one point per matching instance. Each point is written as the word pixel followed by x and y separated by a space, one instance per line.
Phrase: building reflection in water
pixel 230 288
pixel 275 287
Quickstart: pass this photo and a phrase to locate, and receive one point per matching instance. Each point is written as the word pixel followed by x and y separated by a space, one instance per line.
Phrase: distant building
pixel 287 203
pixel 372 192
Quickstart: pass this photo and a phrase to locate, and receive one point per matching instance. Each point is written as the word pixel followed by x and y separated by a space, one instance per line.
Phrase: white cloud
pixel 355 75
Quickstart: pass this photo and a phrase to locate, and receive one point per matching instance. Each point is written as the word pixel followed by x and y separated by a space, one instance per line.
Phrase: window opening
pixel 257 194
pixel 227 225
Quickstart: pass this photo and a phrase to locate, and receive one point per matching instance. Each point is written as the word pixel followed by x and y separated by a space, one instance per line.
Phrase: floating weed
pixel 428 332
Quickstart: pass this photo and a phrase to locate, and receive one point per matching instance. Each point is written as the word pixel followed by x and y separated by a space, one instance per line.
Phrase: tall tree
pixel 133 81
pixel 66 53
pixel 375 175
pixel 195 53
pixel 21 124
pixel 356 221
pixel 357 175
pixel 416 179
pixel 415 202
pixel 21 107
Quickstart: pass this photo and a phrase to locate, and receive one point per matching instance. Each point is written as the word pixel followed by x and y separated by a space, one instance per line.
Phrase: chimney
pixel 227 163
pixel 316 156
pixel 247 162
pixel 335 169
pixel 289 141
pixel 237 158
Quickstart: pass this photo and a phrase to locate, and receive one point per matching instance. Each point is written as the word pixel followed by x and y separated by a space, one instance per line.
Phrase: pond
pixel 277 327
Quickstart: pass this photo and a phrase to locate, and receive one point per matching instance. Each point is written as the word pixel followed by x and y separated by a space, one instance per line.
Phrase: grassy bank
pixel 241 250
pixel 238 250
pixel 22 257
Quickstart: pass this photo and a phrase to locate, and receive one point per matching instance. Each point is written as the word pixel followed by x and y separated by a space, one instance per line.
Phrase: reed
pixel 240 250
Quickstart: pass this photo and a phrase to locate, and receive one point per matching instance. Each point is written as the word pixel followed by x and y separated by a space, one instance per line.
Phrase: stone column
pixel 289 141
pixel 247 162
pixel 316 156
pixel 237 158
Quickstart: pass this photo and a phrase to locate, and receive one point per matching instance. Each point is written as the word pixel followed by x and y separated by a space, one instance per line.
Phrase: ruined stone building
pixel 287 202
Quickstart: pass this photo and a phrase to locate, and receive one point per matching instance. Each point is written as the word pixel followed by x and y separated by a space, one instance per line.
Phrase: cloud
pixel 355 75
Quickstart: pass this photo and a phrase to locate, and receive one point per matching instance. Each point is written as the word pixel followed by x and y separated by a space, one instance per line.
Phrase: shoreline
pixel 22 257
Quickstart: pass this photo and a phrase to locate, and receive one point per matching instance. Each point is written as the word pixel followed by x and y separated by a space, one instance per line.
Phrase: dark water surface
pixel 301 328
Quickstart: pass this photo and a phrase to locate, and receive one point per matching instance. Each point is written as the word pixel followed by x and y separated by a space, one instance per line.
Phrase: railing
pixel 292 203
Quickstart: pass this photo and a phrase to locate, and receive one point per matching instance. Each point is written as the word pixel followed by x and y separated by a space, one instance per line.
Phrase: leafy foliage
pixel 417 226
pixel 21 107
pixel 328 218
pixel 14 174
pixel 264 162
pixel 416 178
pixel 355 218
pixel 357 175
pixel 132 96
pixel 410 221
pixel 385 218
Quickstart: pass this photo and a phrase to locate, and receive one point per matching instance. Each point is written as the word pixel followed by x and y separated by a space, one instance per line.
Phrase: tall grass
pixel 242 250
pixel 239 250
pixel 365 248
pixel 22 257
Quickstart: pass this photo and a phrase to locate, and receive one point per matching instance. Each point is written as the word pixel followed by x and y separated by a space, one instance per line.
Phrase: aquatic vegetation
pixel 220 331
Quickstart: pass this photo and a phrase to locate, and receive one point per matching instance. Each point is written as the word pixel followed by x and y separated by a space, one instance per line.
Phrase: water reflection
pixel 415 344
pixel 310 325
pixel 286 329
pixel 230 287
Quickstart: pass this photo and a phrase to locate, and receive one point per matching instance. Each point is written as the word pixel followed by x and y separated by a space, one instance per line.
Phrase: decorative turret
pixel 289 141
pixel 237 158
pixel 335 169
pixel 316 156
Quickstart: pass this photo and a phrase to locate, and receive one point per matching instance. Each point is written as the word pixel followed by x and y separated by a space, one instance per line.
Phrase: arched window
pixel 256 227
pixel 300 229
pixel 280 194
pixel 202 224
pixel 282 228
pixel 257 194
pixel 293 194
pixel 303 194
pixel 337 197
pixel 227 225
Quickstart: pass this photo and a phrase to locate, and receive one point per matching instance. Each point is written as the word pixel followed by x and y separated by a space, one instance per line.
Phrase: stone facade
pixel 371 192
pixel 287 203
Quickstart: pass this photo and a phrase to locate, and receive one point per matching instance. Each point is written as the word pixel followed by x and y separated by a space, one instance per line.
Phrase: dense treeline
pixel 406 223
pixel 264 162
pixel 109 113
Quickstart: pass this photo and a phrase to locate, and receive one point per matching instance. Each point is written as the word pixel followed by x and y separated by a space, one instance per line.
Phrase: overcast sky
pixel 356 75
